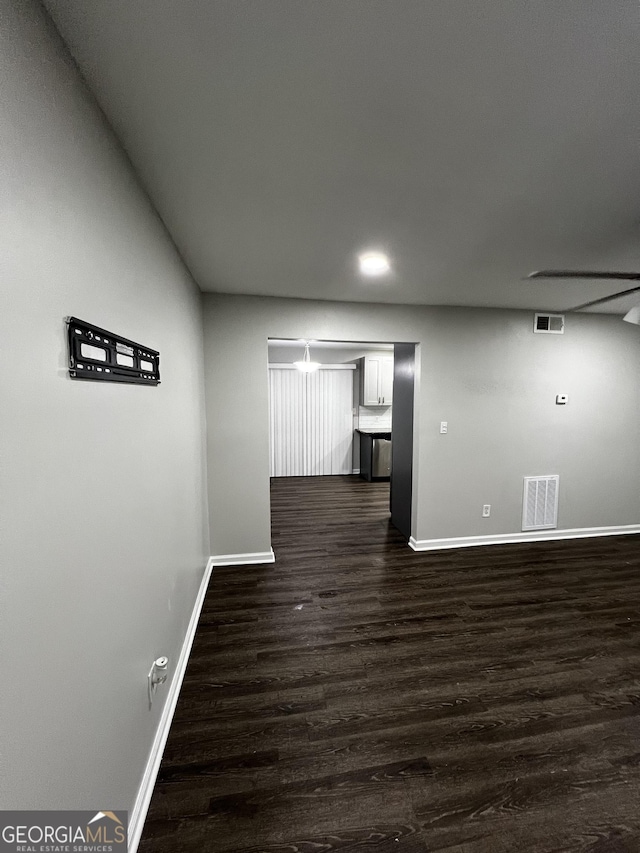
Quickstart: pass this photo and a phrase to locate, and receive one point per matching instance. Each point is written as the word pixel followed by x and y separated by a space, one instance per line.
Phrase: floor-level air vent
pixel 540 502
pixel 549 324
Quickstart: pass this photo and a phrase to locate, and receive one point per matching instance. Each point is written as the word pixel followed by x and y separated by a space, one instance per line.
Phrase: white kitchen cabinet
pixel 376 382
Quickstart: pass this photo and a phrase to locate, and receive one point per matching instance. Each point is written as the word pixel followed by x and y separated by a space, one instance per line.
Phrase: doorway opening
pixel 340 418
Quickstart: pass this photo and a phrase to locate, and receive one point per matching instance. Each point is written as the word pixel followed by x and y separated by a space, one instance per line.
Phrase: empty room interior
pixel 319 458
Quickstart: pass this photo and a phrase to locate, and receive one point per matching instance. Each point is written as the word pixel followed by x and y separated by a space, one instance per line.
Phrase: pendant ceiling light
pixel 306 365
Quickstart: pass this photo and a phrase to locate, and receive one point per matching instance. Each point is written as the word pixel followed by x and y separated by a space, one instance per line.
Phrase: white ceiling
pixel 473 141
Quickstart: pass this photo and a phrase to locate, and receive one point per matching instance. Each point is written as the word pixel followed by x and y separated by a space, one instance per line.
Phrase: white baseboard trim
pixel 513 538
pixel 256 558
pixel 356 471
pixel 141 805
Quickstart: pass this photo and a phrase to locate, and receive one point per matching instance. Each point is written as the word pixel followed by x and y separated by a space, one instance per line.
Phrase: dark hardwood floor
pixel 359 697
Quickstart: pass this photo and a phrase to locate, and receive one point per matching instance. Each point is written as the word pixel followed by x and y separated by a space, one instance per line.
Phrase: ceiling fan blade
pixel 592 274
pixel 604 299
pixel 623 276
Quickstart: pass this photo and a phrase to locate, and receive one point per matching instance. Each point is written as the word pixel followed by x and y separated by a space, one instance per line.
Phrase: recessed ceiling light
pixel 373 263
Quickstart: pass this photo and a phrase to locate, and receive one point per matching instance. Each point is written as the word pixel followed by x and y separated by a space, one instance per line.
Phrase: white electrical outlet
pixel 443 426
pixel 486 510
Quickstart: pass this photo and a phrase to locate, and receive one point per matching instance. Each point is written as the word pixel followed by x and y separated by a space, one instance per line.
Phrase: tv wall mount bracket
pixel 102 356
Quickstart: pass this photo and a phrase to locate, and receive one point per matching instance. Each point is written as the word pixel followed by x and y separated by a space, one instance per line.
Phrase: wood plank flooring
pixel 361 698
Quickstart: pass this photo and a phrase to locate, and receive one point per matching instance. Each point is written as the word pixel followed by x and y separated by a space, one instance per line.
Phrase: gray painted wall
pixel 483 371
pixel 103 501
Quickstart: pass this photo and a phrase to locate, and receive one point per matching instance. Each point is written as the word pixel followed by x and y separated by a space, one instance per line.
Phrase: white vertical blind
pixel 311 423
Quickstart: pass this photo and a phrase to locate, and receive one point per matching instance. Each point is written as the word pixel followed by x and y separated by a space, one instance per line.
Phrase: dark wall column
pixel 402 437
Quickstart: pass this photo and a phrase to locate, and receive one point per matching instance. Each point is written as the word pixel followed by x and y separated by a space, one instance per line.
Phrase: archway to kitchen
pixel 341 435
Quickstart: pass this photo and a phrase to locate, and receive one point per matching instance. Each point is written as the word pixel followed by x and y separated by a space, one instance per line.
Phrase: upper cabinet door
pixel 371 381
pixel 377 380
pixel 386 380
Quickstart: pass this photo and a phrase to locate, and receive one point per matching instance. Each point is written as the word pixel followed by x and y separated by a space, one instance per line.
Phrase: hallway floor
pixel 359 697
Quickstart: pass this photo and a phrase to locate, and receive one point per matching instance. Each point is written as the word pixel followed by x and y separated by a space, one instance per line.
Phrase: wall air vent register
pixel 540 502
pixel 102 356
pixel 548 324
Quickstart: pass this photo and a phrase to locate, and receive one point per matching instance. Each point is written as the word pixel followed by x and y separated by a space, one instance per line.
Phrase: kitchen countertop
pixel 374 431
